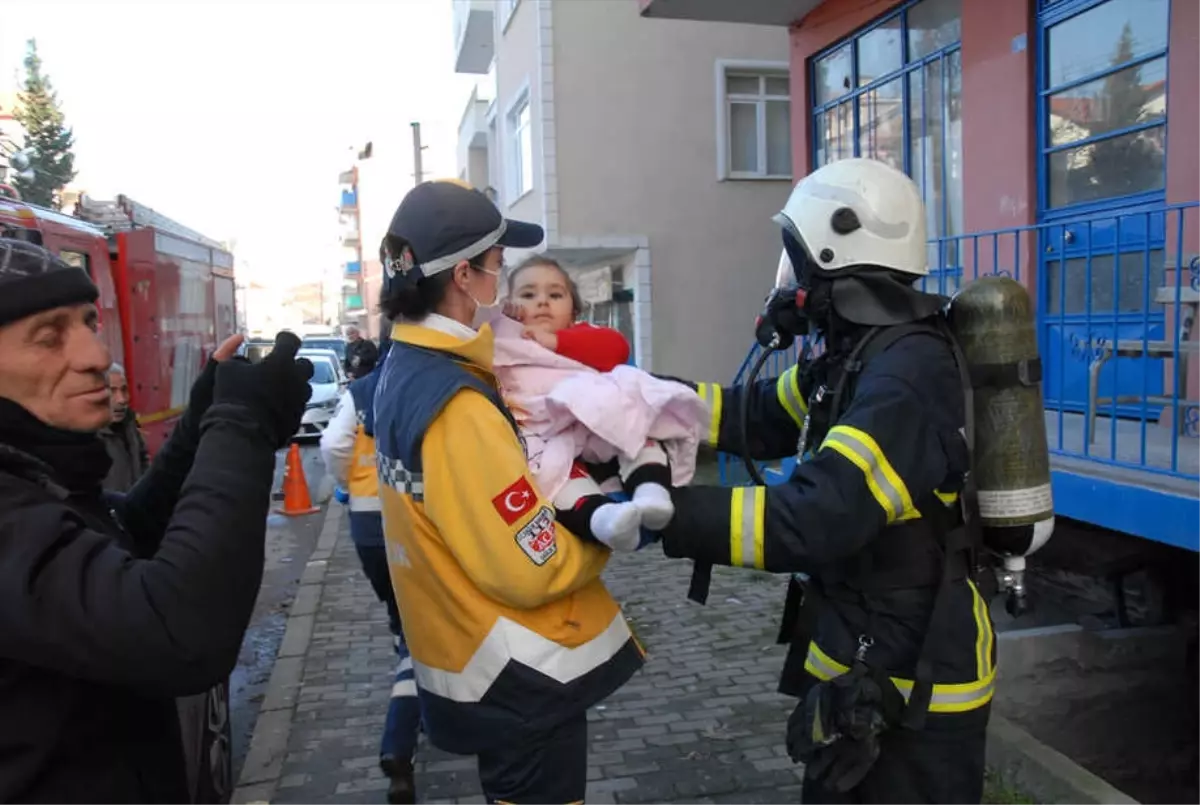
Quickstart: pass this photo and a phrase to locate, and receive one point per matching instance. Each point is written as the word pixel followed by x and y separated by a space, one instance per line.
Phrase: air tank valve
pixel 1012 579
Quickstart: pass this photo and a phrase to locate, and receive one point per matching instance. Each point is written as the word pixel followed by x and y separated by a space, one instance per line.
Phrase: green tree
pixel 1124 164
pixel 38 112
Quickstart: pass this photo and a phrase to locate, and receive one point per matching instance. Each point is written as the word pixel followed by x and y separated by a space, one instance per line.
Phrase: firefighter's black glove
pixel 690 534
pixel 276 388
pixel 688 383
pixel 835 731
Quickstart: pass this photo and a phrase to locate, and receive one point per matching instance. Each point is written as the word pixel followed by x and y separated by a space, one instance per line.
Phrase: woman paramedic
pixel 513 635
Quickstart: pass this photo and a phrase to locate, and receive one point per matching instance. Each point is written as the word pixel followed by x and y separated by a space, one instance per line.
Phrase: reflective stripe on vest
pixel 947 698
pixel 509 641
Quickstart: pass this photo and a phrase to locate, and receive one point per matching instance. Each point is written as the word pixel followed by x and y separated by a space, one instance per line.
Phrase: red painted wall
pixel 1183 159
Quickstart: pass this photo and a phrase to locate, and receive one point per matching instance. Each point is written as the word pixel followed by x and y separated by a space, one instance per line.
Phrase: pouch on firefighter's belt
pixel 835 730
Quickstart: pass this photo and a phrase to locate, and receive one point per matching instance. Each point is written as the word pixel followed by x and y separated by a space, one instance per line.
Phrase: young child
pixel 542 297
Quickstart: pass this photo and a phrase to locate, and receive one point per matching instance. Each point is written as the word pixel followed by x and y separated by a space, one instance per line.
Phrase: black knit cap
pixel 32 280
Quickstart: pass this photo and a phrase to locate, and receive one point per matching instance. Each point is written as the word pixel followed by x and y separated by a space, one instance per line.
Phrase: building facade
pixel 654 154
pixel 1055 141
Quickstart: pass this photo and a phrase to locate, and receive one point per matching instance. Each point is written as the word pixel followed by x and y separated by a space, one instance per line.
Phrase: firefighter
pixel 513 634
pixel 891 646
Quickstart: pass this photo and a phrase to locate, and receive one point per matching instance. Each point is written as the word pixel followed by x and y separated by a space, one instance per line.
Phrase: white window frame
pixel 761 69
pixel 513 192
pixel 506 9
pixel 495 153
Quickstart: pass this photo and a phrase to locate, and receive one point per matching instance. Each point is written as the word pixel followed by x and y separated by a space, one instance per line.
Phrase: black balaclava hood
pixel 866 296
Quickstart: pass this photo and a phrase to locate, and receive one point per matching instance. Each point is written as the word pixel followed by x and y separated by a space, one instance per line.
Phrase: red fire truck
pixel 166 302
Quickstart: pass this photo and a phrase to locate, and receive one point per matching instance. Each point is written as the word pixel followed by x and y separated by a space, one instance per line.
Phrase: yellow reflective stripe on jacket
pixel 862 451
pixel 787 389
pixel 710 393
pixel 747 509
pixel 984 636
pixel 947 698
pixel 947 498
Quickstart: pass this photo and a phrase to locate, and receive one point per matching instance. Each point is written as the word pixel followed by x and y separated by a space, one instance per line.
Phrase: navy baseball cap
pixel 441 223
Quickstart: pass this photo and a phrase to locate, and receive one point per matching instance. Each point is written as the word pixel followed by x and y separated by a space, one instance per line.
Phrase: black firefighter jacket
pixel 854 516
pixel 110 607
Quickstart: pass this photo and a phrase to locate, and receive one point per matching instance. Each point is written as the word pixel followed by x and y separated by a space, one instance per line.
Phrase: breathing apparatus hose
pixel 744 410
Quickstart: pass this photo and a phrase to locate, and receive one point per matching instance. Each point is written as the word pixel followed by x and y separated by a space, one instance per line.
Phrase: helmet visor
pixel 785 275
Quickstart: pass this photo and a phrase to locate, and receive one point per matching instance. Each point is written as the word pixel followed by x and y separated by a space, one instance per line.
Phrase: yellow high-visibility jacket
pixel 504 611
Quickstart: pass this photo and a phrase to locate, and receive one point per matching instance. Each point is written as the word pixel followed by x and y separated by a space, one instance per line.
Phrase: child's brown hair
pixel 543 260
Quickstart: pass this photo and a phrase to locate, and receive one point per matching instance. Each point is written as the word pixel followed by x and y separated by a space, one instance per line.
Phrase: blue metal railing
pixel 349 199
pixel 1117 297
pixel 353 268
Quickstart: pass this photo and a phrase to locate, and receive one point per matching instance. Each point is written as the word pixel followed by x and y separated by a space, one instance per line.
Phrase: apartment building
pixel 654 153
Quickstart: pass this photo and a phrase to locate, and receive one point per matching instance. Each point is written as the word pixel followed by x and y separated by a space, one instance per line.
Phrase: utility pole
pixel 418 174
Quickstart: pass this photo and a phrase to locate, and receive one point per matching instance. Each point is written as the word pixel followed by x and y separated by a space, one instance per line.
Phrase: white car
pixel 328 382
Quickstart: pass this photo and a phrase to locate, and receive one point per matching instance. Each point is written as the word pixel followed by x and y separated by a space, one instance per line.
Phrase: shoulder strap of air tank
pixel 966 538
pixel 876 340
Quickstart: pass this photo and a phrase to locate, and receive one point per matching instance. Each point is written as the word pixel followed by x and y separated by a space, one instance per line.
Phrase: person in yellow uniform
pixel 512 633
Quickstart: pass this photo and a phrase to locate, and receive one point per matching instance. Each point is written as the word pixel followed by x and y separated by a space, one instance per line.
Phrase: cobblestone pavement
pixel 700 723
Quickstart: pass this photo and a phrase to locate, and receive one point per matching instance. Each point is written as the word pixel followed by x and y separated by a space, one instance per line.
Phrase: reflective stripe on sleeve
pixel 710 393
pixel 787 389
pixel 947 698
pixel 747 508
pixel 862 451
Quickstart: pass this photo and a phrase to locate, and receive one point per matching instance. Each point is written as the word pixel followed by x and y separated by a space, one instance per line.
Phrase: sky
pixel 236 119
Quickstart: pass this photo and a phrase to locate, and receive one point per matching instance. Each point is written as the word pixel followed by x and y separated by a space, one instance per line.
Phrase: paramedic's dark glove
pixel 276 388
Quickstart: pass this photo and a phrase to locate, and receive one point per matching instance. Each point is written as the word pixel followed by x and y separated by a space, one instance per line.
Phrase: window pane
pixel 881 124
pixel 778 85
pixel 742 84
pixel 928 144
pixel 932 25
pixel 879 52
pixel 833 75
pixel 1108 35
pixel 743 137
pixel 779 138
pixel 1134 275
pixel 835 134
pixel 1118 166
pixel 1120 100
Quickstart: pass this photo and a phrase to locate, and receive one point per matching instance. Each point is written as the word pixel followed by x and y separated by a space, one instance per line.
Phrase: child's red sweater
pixel 601 348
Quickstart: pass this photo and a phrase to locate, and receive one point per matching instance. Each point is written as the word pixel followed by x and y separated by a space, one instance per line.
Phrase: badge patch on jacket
pixel 537 538
pixel 516 501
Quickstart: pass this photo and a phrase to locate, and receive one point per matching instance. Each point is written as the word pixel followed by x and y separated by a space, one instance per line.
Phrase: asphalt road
pixel 290 541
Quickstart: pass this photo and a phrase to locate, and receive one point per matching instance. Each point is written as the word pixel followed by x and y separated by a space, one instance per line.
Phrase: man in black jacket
pixel 111 606
pixel 361 354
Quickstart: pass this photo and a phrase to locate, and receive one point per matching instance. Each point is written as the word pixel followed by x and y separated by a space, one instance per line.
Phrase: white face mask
pixel 495 296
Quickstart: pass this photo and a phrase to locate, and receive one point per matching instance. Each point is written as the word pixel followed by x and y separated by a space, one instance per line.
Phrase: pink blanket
pixel 568 410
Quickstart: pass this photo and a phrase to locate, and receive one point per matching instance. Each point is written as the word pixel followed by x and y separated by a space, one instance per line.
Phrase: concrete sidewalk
pixel 700 723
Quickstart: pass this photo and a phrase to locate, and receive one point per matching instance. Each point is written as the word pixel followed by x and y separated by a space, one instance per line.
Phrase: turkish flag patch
pixel 516 501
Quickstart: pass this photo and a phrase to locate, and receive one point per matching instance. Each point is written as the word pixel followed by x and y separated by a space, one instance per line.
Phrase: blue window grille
pixel 893 92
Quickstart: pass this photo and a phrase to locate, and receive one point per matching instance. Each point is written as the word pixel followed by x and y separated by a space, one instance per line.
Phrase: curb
pixel 1019 759
pixel 269 741
pixel 1031 767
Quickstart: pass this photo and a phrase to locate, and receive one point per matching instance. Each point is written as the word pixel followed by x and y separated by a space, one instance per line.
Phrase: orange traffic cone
pixel 296 500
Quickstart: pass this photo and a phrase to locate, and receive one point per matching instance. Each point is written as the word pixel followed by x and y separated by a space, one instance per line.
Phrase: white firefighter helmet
pixel 856 212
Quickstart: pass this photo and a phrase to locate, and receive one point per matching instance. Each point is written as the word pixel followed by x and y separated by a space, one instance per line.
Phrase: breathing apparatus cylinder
pixel 992 318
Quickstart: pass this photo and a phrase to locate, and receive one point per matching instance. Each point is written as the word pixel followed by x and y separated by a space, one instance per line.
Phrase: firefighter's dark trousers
pixel 941 763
